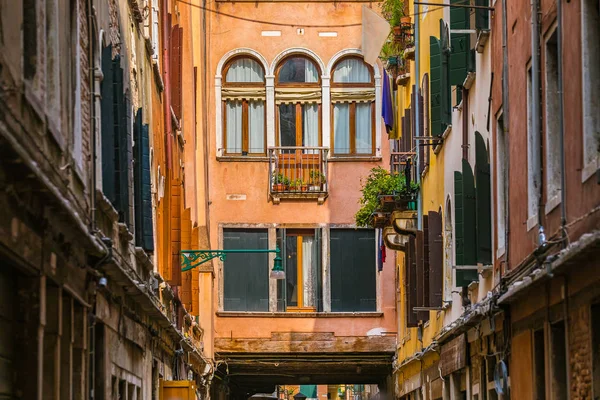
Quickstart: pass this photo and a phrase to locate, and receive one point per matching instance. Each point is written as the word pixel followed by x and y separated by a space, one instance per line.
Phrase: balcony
pixel 298 173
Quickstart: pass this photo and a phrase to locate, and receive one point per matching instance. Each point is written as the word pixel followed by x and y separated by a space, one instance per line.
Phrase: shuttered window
pixel 484 201
pixel 460 43
pixel 175 69
pixel 410 283
pixel 466 231
pixel 435 69
pixel 116 137
pixel 436 248
pixel 482 16
pixel 246 275
pixel 144 237
pixel 446 90
pixel 423 271
pixel 353 270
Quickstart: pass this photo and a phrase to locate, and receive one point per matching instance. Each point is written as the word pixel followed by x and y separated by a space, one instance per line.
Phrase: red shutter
pixel 411 283
pixel 175 69
pixel 175 214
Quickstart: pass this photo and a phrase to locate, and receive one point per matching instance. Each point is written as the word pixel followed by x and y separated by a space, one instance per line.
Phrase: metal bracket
pixel 192 258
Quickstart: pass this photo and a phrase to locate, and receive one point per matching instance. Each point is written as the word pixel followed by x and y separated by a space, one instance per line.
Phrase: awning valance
pixel 343 95
pixel 297 95
pixel 239 93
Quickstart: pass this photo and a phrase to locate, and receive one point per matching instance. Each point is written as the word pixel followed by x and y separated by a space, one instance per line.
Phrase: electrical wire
pixel 257 21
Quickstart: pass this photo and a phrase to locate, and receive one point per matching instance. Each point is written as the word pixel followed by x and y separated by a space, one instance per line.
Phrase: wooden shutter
pixel 281 283
pixel 246 276
pixel 423 271
pixel 186 277
pixel 458 219
pixel 410 283
pixel 195 310
pixel 446 89
pixel 353 270
pixel 122 149
pixel 422 145
pixel 175 215
pixel 436 249
pixel 459 43
pixel 484 201
pixel 176 70
pixel 108 126
pixel 318 244
pixel 435 96
pixel 482 17
pixel 144 236
pixel 464 277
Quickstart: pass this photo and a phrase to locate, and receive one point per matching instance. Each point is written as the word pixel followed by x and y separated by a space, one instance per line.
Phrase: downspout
pixel 506 119
pixel 535 89
pixel 417 113
pixel 92 79
pixel 561 127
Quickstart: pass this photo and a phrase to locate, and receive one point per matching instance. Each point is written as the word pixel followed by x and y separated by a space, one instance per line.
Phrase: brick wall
pixel 580 353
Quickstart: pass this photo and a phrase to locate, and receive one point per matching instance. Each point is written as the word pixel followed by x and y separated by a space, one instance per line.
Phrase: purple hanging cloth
pixel 387 109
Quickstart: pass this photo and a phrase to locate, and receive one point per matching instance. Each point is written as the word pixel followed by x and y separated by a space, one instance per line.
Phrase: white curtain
pixel 310 125
pixel 351 70
pixel 256 126
pixel 233 117
pixel 364 139
pixel 341 128
pixel 311 74
pixel 245 70
pixel 308 273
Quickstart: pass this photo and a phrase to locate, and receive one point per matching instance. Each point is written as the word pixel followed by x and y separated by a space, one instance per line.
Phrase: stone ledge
pixel 237 314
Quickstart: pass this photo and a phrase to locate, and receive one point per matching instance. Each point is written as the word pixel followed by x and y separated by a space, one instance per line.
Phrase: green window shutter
pixel 464 277
pixel 459 43
pixel 436 249
pixel 144 236
pixel 435 70
pixel 446 88
pixel 246 276
pixel 122 149
pixel 484 202
pixel 482 17
pixel 353 270
pixel 458 218
pixel 108 126
pixel 310 391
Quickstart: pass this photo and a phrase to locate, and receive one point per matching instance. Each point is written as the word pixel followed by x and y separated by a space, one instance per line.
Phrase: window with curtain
pixel 353 108
pixel 243 97
pixel 298 100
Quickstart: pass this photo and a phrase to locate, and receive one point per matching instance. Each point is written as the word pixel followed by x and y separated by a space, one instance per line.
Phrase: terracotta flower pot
pixel 405 20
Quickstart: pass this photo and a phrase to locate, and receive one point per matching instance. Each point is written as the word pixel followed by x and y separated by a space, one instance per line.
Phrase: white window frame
pixel 501 185
pixel 533 147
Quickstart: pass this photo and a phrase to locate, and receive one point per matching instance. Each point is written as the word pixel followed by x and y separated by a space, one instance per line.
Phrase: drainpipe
pixel 92 78
pixel 417 113
pixel 506 119
pixel 561 127
pixel 167 92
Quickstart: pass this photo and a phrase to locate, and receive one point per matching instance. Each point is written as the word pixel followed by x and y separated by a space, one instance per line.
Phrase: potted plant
pixel 316 180
pixel 280 182
pixel 295 184
pixel 393 11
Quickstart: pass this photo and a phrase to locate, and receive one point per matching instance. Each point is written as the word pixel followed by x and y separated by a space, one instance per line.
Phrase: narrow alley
pixel 299 200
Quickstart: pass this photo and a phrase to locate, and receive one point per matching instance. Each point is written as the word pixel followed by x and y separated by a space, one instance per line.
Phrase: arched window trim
pixel 230 62
pixel 284 60
pixel 350 84
pixel 316 85
pixel 352 117
pixel 245 139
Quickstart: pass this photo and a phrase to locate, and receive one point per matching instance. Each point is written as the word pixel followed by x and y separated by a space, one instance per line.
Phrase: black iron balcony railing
pixel 298 172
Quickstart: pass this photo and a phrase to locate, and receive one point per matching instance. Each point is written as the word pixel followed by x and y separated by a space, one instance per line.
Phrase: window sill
pixel 355 159
pixel 552 204
pixel 250 314
pixel 531 222
pixel 242 158
pixel 500 252
pixel 589 170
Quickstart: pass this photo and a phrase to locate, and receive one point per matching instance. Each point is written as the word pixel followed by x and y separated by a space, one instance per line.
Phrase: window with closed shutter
pixel 484 202
pixel 353 270
pixel 175 69
pixel 466 229
pixel 144 236
pixel 410 283
pixel 459 43
pixel 435 249
pixel 246 275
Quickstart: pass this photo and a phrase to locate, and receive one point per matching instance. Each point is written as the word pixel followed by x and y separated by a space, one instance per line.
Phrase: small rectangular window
pixel 591 89
pixel 551 116
pixel 539 359
pixel 501 185
pixel 353 128
pixel 533 164
pixel 559 361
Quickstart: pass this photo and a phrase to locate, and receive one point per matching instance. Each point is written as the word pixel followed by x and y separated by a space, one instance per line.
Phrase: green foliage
pixel 380 182
pixel 316 177
pixel 393 11
pixel 281 179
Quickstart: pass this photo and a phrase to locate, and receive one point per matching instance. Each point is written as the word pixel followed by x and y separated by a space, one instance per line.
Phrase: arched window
pixel 353 108
pixel 243 95
pixel 298 99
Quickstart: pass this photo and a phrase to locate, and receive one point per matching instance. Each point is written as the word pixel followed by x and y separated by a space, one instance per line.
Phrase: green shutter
pixel 484 202
pixel 469 228
pixel 144 236
pixel 246 276
pixel 459 43
pixel 482 17
pixel 435 70
pixel 122 149
pixel 310 391
pixel 458 218
pixel 108 126
pixel 446 89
